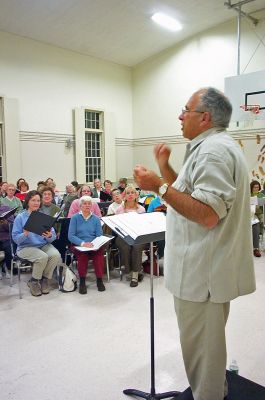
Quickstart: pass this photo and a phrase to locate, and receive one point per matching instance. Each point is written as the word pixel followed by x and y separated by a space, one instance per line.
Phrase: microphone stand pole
pixel 152 395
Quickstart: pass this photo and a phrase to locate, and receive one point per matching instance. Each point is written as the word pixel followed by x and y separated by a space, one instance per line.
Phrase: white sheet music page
pixel 134 225
pixel 97 243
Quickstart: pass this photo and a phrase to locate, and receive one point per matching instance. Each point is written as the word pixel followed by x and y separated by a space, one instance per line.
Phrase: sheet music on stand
pixel 138 228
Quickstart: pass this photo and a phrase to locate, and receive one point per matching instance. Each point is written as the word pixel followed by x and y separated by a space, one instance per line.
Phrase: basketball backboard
pixel 245 91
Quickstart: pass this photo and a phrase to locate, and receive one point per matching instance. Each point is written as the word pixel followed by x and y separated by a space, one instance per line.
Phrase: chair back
pixel 63 238
pixel 13 244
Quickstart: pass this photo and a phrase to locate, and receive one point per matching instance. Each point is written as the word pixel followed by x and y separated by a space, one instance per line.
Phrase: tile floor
pixel 91 347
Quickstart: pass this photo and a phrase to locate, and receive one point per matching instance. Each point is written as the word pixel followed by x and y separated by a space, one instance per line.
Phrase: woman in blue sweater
pixel 83 229
pixel 36 248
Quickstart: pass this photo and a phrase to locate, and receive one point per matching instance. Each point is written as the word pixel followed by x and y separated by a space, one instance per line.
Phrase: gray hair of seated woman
pixel 83 199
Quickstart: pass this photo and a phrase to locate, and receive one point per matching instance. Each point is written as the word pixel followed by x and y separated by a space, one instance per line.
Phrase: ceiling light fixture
pixel 166 21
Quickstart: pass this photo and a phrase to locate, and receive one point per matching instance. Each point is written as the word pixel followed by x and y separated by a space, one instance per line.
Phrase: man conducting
pixel 208 256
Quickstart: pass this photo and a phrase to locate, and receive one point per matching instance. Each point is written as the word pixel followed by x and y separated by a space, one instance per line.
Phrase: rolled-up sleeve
pixel 213 182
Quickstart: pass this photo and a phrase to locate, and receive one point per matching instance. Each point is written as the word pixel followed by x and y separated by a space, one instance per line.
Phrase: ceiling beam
pixel 237 7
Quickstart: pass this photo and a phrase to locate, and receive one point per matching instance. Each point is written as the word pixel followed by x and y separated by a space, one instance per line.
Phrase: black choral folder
pixel 39 222
pixel 6 214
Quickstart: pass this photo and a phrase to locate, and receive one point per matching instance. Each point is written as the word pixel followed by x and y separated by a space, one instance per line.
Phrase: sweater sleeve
pixel 72 232
pixel 52 238
pixel 74 208
pixel 17 231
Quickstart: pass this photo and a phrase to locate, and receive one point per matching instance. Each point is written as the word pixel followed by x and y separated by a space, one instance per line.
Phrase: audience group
pixel 82 206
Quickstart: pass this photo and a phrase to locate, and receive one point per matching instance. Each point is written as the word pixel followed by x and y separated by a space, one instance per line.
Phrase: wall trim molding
pixel 30 136
pixel 35 136
pixel 178 139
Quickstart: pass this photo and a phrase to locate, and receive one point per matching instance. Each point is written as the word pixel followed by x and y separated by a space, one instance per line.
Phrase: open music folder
pixel 136 228
pixel 6 214
pixel 39 222
pixel 97 243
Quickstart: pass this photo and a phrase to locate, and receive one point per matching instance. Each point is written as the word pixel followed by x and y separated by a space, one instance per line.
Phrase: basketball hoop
pixel 252 111
pixel 254 108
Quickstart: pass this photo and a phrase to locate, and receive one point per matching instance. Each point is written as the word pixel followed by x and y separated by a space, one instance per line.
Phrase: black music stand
pixel 146 238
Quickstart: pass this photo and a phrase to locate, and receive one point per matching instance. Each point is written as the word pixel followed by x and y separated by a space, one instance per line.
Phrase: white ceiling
pixel 120 31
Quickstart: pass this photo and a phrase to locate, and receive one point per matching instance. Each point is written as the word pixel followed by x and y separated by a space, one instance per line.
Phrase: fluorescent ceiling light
pixel 166 21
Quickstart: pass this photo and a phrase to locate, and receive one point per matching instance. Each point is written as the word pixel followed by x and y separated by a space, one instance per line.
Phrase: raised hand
pixel 146 179
pixel 162 153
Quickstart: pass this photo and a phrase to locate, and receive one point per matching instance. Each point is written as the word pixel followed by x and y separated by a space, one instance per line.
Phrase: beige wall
pixel 49 83
pixel 163 84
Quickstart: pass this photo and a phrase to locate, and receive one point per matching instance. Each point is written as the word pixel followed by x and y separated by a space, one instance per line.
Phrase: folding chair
pixel 17 262
pixel 70 254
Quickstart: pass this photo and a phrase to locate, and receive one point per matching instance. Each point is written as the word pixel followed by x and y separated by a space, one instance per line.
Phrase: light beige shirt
pixel 218 262
pixel 112 208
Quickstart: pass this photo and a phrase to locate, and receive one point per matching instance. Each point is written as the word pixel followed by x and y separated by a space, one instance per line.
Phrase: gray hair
pixel 85 198
pixel 217 104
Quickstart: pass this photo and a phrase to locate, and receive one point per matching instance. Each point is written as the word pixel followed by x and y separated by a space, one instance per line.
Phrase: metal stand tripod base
pixel 150 396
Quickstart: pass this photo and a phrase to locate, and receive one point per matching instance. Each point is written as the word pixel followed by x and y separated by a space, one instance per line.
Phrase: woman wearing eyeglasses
pixel 75 206
pixel 11 200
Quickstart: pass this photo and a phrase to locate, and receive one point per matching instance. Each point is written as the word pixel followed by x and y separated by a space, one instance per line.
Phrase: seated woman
pixel 255 232
pixel 57 198
pixel 3 189
pixel 35 248
pixel 19 181
pixel 131 256
pixel 48 207
pixel 84 228
pixel 257 228
pixel 10 200
pixel 116 201
pixel 75 206
pixel 106 195
pixel 23 189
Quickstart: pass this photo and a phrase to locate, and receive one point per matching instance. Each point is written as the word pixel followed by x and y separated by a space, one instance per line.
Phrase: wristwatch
pixel 163 189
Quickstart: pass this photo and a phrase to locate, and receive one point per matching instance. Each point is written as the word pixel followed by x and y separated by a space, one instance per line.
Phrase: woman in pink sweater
pixel 75 206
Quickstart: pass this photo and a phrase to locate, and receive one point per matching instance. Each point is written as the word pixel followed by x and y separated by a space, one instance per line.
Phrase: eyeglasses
pixel 184 111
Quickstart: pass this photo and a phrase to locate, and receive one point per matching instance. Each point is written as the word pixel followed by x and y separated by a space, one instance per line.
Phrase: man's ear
pixel 206 119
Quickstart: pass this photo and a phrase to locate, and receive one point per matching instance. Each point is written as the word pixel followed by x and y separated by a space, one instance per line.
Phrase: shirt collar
pixel 80 212
pixel 200 138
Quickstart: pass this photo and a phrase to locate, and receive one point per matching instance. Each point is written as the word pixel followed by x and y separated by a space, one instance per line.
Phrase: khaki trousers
pixel 202 338
pixel 131 256
pixel 45 259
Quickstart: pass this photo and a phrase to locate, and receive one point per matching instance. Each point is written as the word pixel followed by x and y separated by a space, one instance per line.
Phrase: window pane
pixel 93 154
